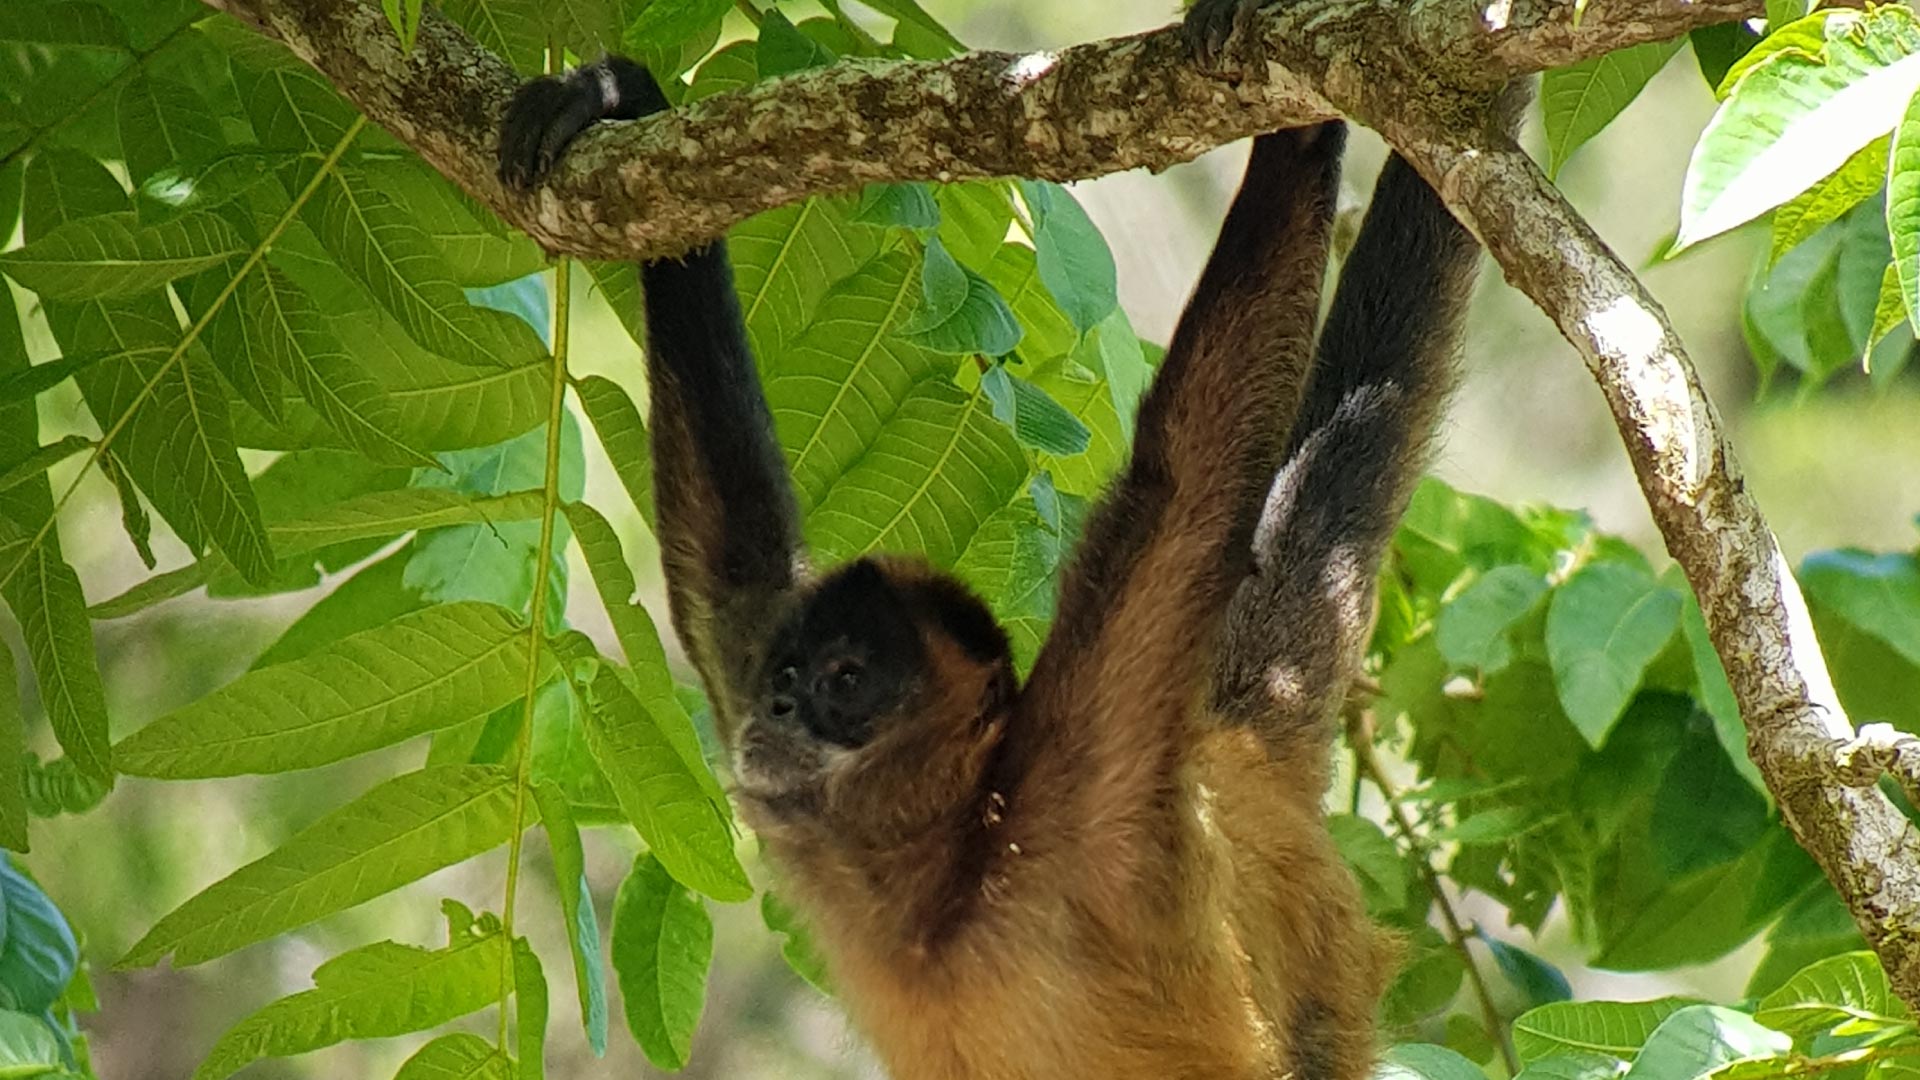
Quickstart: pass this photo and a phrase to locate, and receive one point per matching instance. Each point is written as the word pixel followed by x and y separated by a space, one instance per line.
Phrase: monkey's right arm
pixel 728 528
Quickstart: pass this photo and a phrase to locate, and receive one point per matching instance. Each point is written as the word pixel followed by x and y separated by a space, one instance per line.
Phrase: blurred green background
pixel 1528 426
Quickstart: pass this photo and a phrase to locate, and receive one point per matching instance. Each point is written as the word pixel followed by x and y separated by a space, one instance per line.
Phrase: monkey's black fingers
pixel 1214 27
pixel 546 114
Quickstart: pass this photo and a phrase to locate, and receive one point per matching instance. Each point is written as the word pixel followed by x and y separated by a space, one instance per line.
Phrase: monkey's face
pixel 882 661
pixel 843 665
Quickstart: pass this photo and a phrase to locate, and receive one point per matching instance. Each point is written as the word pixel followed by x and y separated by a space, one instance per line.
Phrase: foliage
pixel 223 265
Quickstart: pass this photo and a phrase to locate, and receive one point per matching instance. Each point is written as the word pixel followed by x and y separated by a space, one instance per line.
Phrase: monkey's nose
pixel 781 706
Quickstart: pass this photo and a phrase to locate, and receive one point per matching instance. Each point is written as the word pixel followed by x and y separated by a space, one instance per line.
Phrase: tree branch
pixel 1797 732
pixel 664 184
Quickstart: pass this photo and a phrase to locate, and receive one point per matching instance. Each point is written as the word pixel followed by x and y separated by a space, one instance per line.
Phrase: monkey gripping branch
pixel 1418 71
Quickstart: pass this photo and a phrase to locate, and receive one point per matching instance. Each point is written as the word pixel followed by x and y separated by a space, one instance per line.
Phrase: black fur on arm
pixel 1384 369
pixel 728 527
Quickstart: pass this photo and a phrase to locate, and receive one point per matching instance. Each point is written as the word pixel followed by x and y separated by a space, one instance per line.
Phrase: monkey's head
pixel 887 674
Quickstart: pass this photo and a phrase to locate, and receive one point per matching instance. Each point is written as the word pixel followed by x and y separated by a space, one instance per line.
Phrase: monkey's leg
pixel 1296 626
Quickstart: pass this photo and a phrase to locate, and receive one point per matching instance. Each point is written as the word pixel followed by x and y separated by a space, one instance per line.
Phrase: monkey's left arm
pixel 1146 593
pixel 728 528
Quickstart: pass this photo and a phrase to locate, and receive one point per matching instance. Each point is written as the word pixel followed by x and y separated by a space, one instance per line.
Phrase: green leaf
pixel 1573 1066
pixel 40 956
pixel 28 1048
pixel 1716 694
pixel 478 248
pixel 1072 256
pixel 732 68
pixel 456 1057
pixel 663 24
pixel 13 751
pixel 1374 859
pixel 112 255
pixel 297 338
pixel 425 670
pixel 783 49
pixel 1538 980
pixel 376 238
pixel 797 945
pixel 164 124
pixel 1880 594
pixel 1838 990
pixel 1718 46
pixel 1615 1028
pixel 576 911
pixel 1580 100
pixel 45 597
pixel 1663 922
pixel 961 312
pixel 1813 209
pixel 404 17
pixel 1699 1039
pixel 514 30
pixel 1036 418
pixel 662 944
pixel 1889 312
pixel 1808 35
pixel 373 992
pixel 1604 626
pixel 623 435
pixel 917 32
pixel 374 595
pixel 1495 826
pixel 291 107
pixel 588 27
pixel 907 206
pixel 65 24
pixel 238 352
pixel 1796 117
pixel 399 832
pixel 530 1010
pixel 1472 629
pixel 660 792
pixel 1425 1061
pixel 785 261
pixel 1903 206
pixel 440 405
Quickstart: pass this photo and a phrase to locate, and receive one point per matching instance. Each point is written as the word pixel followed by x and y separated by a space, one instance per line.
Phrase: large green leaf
pixel 1880 594
pixel 376 515
pixel 376 991
pixel 1472 629
pixel 1604 626
pixel 425 670
pixel 1846 989
pixel 1813 209
pixel 113 255
pixel 934 474
pixel 661 793
pixel 1578 101
pixel 1903 206
pixel 291 106
pixel 623 435
pixel 576 911
pixel 375 237
pixel 512 29
pixel 166 123
pixel 1072 256
pixel 960 313
pixel 1425 1061
pixel 28 1048
pixel 13 750
pixel 1615 1028
pixel 40 955
pixel 398 832
pixel 785 261
pixel 296 335
pixel 1698 1039
pixel 662 944
pixel 1797 117
pixel 478 249
pixel 45 597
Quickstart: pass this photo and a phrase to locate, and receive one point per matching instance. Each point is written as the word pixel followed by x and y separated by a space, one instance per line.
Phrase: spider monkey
pixel 1119 868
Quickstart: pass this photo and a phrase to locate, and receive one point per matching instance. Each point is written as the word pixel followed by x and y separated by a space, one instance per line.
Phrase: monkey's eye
pixel 847 680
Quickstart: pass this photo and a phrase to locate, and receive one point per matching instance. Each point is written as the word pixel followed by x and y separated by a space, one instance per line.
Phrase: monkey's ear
pixel 964 617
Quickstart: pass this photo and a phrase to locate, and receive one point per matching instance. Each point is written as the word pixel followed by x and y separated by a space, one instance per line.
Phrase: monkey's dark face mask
pixel 864 668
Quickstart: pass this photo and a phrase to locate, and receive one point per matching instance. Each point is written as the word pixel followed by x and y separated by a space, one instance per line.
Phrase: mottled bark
pixel 664 184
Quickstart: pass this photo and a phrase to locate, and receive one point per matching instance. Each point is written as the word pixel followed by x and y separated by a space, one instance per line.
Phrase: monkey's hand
pixel 548 112
pixel 1214 27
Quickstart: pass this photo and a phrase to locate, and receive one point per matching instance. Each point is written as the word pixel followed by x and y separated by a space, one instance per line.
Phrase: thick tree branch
pixel 664 184
pixel 1821 774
